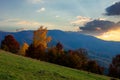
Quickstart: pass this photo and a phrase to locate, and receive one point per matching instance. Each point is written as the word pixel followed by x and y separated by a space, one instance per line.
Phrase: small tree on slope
pixel 10 44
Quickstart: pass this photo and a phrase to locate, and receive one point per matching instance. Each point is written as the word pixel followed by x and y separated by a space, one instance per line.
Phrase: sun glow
pixel 112 35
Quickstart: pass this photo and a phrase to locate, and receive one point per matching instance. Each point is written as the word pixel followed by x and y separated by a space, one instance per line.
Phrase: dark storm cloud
pixel 113 9
pixel 98 27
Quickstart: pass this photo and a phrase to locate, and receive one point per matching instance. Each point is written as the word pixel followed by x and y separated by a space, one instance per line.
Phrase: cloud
pixel 113 9
pixel 35 1
pixel 41 10
pixel 112 35
pixel 57 16
pixel 10 20
pixel 101 19
pixel 19 24
pixel 80 20
pixel 14 24
pixel 33 25
pixel 28 23
pixel 98 27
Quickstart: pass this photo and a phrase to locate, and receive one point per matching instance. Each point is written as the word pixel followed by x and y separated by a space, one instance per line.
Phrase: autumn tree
pixel 23 49
pixel 10 44
pixel 40 37
pixel 114 68
pixel 38 47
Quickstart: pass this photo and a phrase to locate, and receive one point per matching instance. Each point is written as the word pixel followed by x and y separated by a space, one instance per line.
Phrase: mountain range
pixel 100 50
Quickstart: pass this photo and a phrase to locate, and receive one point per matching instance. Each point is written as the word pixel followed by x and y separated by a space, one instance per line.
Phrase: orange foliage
pixel 40 37
pixel 23 49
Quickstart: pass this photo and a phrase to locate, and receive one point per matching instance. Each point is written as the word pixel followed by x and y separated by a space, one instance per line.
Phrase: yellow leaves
pixel 48 39
pixel 23 49
pixel 40 37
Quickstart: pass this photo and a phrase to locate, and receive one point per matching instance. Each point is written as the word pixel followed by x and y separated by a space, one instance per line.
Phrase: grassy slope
pixel 14 67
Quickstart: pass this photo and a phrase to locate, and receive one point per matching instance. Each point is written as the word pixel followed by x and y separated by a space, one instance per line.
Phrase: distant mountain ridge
pixel 70 40
pixel 105 50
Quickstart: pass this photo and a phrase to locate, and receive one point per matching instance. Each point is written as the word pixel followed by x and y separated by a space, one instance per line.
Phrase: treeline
pixel 38 49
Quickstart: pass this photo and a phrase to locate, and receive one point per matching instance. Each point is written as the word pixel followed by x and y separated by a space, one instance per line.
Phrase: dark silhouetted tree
pixel 37 52
pixel 114 69
pixel 59 46
pixel 77 59
pixel 10 44
pixel 93 67
pixel 55 54
pixel 52 55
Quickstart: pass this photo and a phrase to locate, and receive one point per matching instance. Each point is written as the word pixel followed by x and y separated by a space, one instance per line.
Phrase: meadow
pixel 15 67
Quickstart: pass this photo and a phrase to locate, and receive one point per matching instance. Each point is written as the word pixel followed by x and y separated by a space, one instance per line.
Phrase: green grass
pixel 14 67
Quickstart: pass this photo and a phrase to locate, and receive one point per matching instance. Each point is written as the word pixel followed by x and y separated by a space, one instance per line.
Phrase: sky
pixel 99 18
